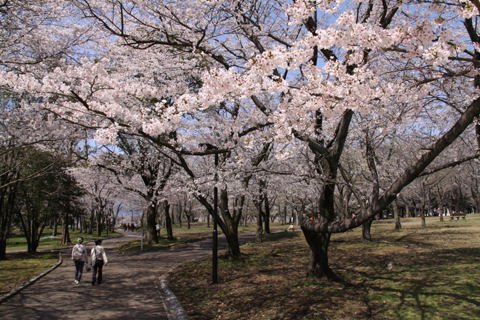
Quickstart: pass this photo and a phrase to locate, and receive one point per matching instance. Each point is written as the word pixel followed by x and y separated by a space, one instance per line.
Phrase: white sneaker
pixel 77 282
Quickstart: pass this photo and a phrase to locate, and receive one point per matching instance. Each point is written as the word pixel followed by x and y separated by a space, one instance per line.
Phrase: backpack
pixel 78 253
pixel 98 256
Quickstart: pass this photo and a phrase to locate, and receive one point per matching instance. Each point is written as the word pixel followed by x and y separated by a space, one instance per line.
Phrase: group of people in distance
pixel 130 227
pixel 98 259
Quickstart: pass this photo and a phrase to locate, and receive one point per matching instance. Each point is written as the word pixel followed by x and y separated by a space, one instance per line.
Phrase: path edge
pixel 170 302
pixel 32 281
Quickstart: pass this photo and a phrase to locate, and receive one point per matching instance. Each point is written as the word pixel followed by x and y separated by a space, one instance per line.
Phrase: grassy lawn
pixel 17 240
pixel 21 267
pixel 197 231
pixel 435 275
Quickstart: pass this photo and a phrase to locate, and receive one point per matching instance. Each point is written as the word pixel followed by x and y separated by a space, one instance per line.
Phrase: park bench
pixel 458 215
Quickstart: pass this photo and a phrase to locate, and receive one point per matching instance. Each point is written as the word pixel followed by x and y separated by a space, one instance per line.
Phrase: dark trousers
pixel 78 269
pixel 97 266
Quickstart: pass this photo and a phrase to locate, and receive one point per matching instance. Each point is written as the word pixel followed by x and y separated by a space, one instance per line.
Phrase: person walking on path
pixel 99 259
pixel 79 257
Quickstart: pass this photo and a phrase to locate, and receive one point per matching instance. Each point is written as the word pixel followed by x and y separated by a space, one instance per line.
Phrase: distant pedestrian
pixel 128 226
pixel 99 259
pixel 133 227
pixel 124 227
pixel 157 227
pixel 79 257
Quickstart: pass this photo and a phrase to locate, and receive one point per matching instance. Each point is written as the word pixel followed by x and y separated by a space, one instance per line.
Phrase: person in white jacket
pixel 99 259
pixel 79 257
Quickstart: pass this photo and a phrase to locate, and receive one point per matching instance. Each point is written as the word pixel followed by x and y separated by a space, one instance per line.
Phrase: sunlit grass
pixel 17 240
pixel 435 275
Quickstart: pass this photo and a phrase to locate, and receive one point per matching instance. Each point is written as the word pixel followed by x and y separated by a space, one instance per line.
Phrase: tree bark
pixel 168 220
pixel 440 204
pixel 267 214
pixel 65 231
pixel 259 229
pixel 152 237
pixel 7 209
pixel 318 264
pixel 366 231
pixel 396 215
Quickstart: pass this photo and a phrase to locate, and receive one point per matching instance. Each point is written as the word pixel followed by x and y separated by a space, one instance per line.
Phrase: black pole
pixel 215 234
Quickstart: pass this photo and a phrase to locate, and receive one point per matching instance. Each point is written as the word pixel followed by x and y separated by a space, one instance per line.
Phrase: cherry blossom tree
pixel 139 160
pixel 378 64
pixel 327 76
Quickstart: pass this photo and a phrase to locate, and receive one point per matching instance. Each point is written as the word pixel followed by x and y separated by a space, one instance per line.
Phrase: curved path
pixel 128 290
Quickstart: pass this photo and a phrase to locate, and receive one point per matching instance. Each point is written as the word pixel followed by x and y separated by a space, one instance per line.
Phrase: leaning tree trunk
pixel 168 220
pixel 228 224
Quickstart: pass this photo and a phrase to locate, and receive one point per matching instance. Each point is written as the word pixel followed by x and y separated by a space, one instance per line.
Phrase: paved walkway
pixel 128 290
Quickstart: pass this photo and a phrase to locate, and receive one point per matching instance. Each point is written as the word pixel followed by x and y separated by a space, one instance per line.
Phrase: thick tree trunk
pixel 151 224
pixel 396 215
pixel 260 215
pixel 179 215
pixel 267 214
pixel 229 222
pixel 422 217
pixel 35 238
pixel 259 229
pixel 6 214
pixel 3 249
pixel 168 220
pixel 366 231
pixel 318 265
